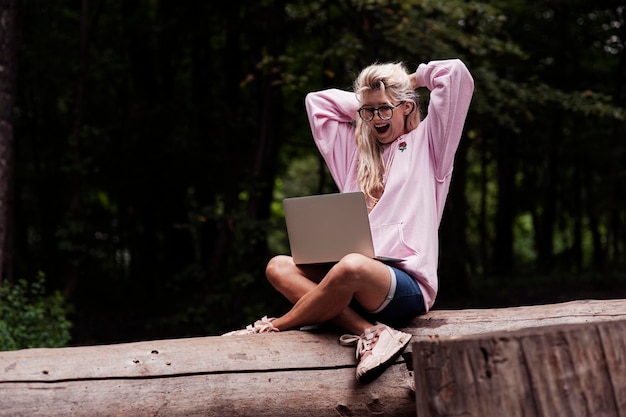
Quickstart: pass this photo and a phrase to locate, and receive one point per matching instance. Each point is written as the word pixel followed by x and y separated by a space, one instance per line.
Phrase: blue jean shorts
pixel 404 301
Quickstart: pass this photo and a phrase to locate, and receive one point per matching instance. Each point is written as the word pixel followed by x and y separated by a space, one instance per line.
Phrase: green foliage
pixel 155 151
pixel 29 318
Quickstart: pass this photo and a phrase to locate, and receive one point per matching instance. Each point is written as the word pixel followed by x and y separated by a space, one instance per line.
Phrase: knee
pixel 278 267
pixel 353 265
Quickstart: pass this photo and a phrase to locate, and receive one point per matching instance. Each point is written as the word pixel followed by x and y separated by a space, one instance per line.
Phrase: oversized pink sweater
pixel 405 221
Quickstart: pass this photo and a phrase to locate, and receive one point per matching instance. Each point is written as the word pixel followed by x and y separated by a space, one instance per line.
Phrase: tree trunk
pixel 545 231
pixel 506 159
pixel 271 112
pixel 453 255
pixel 8 64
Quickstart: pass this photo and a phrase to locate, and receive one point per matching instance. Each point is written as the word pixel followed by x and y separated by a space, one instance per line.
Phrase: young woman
pixel 373 141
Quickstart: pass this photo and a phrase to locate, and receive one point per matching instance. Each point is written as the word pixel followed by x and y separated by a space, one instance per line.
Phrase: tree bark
pixel 573 370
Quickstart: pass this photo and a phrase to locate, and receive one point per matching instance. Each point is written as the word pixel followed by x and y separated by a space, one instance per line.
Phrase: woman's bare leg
pixel 291 280
pixel 295 281
pixel 355 276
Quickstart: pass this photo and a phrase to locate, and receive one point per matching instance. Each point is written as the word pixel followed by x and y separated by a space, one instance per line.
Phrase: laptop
pixel 324 228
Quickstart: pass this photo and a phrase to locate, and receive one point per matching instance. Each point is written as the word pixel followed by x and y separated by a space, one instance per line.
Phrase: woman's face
pixel 386 131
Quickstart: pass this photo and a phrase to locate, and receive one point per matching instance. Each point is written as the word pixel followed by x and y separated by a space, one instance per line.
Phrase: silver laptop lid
pixel 325 228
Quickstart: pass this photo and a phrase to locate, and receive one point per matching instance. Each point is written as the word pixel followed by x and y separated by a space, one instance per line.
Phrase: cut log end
pixel 565 370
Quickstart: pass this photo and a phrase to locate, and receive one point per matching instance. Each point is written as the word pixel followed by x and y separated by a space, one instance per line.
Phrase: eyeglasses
pixel 384 112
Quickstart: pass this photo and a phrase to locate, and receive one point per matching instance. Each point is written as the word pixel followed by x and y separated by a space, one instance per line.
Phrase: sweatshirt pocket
pixel 389 241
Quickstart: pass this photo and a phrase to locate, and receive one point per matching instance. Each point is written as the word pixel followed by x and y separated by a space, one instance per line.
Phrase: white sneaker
pixel 260 326
pixel 376 348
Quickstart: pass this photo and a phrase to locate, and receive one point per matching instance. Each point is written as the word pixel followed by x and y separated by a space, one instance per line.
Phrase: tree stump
pixel 566 370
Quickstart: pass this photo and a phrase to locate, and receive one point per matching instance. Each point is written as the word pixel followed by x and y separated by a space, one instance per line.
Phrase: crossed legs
pixel 324 294
pixel 320 294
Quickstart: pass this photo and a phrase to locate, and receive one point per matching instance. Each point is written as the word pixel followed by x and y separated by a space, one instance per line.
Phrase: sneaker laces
pixel 263 325
pixel 364 343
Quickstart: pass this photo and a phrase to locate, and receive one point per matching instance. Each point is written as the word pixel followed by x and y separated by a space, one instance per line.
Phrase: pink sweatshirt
pixel 405 221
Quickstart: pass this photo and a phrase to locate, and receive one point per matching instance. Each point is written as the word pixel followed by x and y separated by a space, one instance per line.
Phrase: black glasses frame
pixel 375 110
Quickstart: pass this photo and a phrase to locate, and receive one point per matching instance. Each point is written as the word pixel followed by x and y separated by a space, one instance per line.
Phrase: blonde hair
pixel 392 79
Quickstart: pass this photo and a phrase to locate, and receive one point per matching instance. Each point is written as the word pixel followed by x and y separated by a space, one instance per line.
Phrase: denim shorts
pixel 401 305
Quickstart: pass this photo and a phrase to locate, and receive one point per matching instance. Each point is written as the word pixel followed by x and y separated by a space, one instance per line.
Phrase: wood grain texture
pixel 294 373
pixel 560 370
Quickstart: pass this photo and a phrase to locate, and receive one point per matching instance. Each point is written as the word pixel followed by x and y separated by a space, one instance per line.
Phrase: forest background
pixel 153 141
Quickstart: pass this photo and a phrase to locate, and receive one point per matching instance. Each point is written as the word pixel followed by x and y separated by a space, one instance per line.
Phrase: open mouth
pixel 381 129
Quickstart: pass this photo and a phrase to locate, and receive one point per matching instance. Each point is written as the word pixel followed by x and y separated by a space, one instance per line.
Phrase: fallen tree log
pixel 572 370
pixel 293 373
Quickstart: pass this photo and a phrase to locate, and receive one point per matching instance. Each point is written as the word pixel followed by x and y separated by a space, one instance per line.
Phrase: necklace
pixel 387 164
